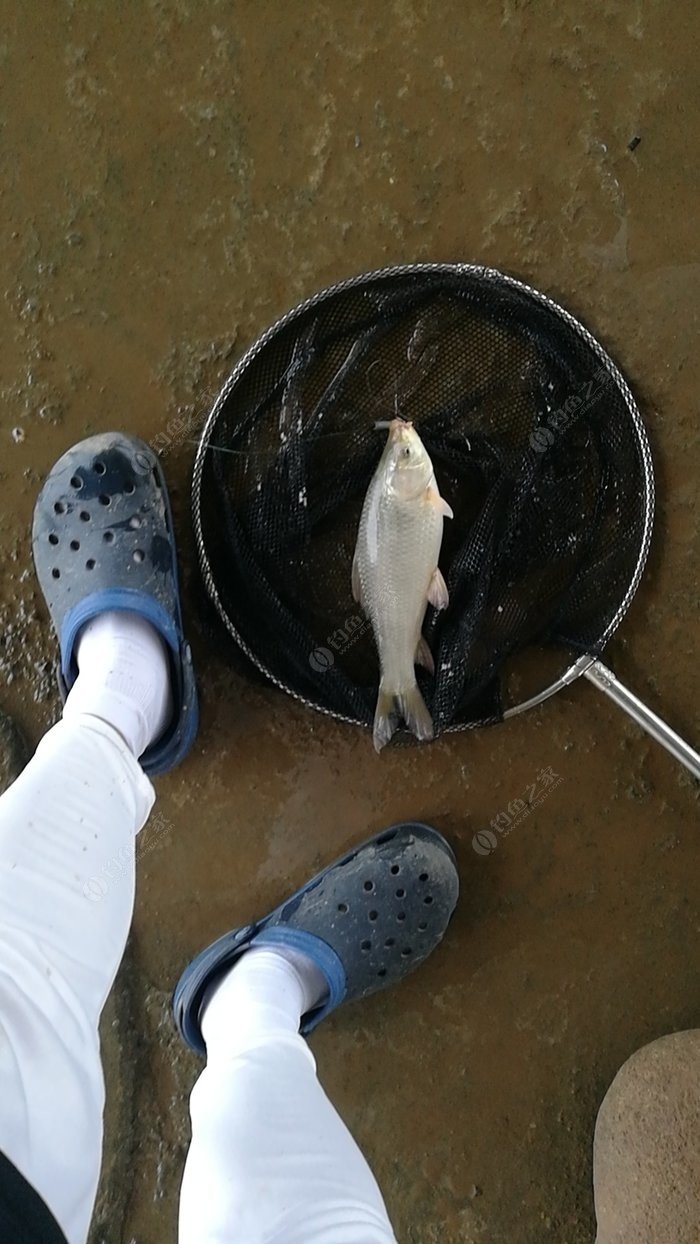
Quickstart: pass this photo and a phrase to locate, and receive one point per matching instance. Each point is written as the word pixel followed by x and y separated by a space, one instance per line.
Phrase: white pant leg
pixel 72 815
pixel 270 1161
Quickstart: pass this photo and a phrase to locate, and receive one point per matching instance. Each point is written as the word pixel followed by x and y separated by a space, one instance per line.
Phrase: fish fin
pixel 439 503
pixel 438 594
pixel 424 656
pixel 384 719
pixel 356 585
pixel 414 711
pixel 409 705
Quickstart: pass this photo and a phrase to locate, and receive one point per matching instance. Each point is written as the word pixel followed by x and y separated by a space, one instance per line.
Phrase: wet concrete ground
pixel 173 176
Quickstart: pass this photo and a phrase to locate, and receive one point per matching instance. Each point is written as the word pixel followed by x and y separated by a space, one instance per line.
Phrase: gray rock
pixel 646 1160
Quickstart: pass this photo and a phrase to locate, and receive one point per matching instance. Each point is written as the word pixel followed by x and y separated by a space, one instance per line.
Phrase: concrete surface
pixel 174 175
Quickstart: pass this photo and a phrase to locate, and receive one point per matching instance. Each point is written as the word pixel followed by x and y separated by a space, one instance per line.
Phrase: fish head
pixel 408 469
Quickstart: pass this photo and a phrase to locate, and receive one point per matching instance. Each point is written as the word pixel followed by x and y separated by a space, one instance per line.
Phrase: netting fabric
pixel 536 445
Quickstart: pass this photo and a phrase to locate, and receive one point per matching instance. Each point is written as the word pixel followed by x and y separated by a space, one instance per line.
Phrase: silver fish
pixel 395 574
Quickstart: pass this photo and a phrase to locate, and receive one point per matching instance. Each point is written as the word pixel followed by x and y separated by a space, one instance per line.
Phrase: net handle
pixel 606 681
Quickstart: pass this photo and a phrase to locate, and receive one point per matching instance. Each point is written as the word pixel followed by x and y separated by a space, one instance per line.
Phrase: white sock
pixel 313 982
pixel 266 987
pixel 123 677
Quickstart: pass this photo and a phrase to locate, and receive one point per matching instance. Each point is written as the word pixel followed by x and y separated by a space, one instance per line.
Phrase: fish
pixel 395 574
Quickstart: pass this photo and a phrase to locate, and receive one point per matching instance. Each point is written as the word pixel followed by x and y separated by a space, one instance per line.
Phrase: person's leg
pixel 270 1161
pixel 270 1158
pixel 72 814
pixel 105 558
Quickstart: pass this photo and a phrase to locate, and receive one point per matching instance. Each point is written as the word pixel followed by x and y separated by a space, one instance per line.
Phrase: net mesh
pixel 535 443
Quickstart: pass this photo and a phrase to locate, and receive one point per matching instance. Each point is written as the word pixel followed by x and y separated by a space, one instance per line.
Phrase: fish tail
pixel 384 718
pixel 414 711
pixel 409 704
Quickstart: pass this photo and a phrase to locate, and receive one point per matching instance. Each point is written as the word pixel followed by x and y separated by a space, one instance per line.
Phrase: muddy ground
pixel 175 174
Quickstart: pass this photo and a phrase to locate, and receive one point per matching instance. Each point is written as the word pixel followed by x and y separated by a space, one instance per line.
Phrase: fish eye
pixel 406 451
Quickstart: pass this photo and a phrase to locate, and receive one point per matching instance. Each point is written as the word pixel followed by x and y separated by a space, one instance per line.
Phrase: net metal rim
pixel 581 663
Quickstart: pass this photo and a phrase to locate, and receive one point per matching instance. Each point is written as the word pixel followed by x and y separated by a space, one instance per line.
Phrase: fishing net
pixel 536 444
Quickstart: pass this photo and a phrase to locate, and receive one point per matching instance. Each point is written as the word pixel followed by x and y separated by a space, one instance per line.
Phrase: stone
pixel 646 1158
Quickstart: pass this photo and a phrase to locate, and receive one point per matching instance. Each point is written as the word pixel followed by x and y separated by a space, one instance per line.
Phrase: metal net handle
pixel 606 681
